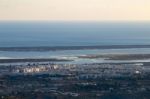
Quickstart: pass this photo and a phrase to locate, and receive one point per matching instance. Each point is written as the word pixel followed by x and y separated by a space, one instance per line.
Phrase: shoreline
pixel 106 57
pixel 34 60
pixel 59 48
pixel 117 56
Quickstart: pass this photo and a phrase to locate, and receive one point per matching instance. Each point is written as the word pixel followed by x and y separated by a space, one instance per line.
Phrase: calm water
pixel 75 33
pixel 14 34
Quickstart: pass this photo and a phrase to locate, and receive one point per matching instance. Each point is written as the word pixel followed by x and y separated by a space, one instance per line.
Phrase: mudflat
pixel 118 56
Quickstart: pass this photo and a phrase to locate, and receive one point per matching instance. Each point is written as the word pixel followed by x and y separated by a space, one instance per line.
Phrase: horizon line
pixel 74 21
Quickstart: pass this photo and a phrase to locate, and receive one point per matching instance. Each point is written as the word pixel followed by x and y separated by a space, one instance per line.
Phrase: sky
pixel 70 10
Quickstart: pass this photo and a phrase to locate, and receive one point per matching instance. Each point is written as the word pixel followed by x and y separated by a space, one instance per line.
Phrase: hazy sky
pixel 75 10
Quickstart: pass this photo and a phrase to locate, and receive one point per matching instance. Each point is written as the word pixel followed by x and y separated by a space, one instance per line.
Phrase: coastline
pixel 59 48
pixel 118 56
pixel 33 60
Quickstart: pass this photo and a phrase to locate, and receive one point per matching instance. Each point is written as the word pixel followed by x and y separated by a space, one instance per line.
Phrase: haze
pixel 132 10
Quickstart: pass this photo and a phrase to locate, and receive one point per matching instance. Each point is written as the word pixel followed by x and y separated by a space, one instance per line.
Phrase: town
pixel 75 81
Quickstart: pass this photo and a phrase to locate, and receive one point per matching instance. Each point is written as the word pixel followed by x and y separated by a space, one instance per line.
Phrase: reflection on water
pixel 71 54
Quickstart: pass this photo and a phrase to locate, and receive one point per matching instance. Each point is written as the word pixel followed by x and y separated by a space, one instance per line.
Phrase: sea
pixel 50 33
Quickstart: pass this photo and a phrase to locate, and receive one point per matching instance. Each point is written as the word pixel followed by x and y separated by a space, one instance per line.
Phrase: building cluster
pixel 73 80
pixel 81 70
